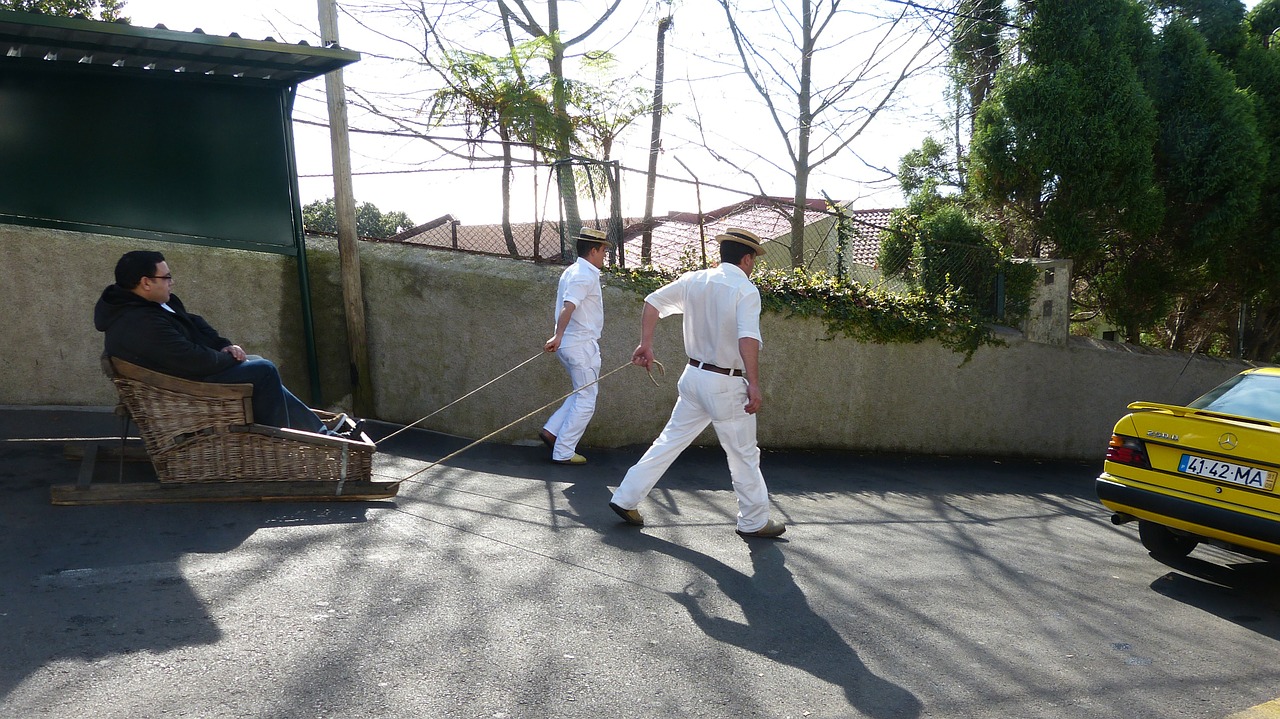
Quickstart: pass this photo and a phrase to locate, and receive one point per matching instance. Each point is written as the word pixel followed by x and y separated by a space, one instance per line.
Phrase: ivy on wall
pixel 850 309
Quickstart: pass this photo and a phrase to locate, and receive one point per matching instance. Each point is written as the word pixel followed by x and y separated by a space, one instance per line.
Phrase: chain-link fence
pixel 853 245
pixel 530 191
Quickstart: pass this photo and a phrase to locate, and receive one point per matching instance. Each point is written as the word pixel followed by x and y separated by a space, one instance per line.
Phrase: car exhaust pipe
pixel 1120 518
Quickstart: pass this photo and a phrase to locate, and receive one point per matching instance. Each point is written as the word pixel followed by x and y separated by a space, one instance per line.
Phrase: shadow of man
pixel 1244 593
pixel 779 623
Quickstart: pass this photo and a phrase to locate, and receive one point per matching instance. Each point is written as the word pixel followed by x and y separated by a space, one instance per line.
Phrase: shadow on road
pixel 88 583
pixel 1244 593
pixel 779 623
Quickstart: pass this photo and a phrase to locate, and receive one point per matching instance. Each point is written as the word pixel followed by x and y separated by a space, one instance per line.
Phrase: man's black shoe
pixel 769 530
pixel 547 438
pixel 630 516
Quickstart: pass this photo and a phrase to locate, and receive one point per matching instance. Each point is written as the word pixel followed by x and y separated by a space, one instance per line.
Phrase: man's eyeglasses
pixel 166 278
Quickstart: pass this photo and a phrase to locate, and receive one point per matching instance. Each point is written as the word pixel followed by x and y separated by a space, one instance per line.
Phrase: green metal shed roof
pixel 118 44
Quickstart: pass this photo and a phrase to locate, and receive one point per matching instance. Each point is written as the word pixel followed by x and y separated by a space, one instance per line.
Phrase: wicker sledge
pixel 204 432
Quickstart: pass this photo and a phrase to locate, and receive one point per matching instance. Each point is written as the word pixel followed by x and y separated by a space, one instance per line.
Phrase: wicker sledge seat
pixel 204 432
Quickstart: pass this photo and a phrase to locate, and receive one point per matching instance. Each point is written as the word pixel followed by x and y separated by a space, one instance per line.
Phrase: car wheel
pixel 1164 542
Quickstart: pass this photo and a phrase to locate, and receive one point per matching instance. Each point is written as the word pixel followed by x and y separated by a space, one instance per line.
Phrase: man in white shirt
pixel 579 319
pixel 720 385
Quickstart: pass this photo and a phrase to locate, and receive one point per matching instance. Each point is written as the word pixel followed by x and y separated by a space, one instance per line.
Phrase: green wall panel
pixel 172 156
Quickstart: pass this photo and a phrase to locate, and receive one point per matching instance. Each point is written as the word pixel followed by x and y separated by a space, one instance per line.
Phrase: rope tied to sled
pixel 661 370
pixel 447 406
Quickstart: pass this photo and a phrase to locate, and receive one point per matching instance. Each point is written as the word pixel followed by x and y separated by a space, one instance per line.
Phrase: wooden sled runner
pixel 202 441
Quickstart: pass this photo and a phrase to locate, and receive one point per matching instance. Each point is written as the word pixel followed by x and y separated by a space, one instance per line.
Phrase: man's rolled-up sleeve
pixel 749 316
pixel 669 299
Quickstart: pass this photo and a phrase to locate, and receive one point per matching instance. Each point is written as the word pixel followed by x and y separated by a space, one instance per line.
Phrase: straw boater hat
pixel 597 236
pixel 742 237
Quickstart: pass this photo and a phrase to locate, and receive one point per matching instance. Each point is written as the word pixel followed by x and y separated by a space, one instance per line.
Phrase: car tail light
pixel 1128 450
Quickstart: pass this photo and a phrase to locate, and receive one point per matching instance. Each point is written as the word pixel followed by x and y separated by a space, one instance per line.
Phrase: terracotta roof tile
pixel 677 236
pixel 677 239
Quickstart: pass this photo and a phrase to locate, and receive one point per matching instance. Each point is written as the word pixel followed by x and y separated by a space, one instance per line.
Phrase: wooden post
pixel 345 210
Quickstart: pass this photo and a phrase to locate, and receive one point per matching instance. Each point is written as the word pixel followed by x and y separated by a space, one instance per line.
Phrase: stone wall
pixel 441 324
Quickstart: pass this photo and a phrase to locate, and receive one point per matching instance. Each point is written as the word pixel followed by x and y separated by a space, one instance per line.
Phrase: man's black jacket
pixel 144 333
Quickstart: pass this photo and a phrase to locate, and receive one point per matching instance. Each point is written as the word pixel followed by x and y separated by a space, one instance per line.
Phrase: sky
pixel 402 175
pixel 473 196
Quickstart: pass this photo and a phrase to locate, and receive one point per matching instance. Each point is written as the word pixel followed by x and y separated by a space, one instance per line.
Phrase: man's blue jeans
pixel 273 404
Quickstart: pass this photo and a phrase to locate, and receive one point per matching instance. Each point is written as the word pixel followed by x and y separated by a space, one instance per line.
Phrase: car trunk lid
pixel 1211 454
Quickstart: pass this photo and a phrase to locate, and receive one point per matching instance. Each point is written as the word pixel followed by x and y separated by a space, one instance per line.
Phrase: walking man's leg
pixel 686 423
pixel 568 424
pixel 738 438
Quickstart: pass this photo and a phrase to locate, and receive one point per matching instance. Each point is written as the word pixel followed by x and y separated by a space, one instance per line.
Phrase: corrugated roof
pixel 867 226
pixel 677 236
pixel 26 36
pixel 533 240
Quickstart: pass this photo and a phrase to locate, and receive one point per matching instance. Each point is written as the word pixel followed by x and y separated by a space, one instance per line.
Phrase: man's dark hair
pixel 133 266
pixel 733 252
pixel 584 246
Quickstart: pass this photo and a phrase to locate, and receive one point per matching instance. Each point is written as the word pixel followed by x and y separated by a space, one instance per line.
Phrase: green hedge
pixel 851 309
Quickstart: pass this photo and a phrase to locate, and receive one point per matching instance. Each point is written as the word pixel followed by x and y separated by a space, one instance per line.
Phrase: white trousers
pixel 582 362
pixel 706 397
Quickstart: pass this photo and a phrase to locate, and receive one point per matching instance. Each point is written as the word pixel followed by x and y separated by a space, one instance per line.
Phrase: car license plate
pixel 1227 472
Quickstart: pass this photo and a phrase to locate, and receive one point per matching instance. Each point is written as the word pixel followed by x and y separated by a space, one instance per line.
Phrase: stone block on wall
pixel 1049 321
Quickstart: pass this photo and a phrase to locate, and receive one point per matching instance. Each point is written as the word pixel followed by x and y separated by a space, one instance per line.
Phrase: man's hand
pixel 754 398
pixel 643 356
pixel 235 351
pixel 562 324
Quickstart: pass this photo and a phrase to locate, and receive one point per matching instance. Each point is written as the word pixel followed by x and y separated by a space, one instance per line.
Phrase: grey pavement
pixel 502 586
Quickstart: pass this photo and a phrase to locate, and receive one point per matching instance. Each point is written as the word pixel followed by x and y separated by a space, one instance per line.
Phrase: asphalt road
pixel 502 586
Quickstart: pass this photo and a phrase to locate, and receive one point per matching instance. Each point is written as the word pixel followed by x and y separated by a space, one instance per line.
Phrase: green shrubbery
pixel 853 310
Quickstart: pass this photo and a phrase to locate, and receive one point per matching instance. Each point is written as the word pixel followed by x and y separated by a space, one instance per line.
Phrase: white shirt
pixel 720 306
pixel 580 284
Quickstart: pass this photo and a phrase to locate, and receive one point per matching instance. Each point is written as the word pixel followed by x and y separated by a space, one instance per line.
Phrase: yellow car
pixel 1201 473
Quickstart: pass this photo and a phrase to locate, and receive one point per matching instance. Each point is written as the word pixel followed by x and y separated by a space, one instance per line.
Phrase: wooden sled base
pixel 155 492
pixel 151 491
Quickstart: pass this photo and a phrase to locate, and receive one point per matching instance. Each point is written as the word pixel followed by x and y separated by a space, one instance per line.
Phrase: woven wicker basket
pixel 204 432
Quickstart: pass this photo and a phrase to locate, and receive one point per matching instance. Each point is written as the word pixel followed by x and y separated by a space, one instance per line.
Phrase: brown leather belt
pixel 712 368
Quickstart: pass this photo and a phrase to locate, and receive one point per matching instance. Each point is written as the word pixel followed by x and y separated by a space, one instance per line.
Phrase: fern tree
pixel 498 94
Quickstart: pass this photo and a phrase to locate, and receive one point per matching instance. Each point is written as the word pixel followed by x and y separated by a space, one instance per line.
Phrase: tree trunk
pixel 655 143
pixel 506 193
pixel 614 171
pixel 1262 332
pixel 804 96
pixel 571 221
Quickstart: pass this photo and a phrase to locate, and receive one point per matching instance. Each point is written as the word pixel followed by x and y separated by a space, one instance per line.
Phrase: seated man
pixel 147 325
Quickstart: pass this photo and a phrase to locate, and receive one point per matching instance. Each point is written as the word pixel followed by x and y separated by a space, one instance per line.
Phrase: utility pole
pixel 345 210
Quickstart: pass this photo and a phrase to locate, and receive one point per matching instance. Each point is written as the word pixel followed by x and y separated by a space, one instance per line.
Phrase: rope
pixel 662 370
pixel 447 406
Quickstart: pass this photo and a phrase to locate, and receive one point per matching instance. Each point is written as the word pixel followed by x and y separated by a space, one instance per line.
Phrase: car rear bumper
pixel 1207 520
